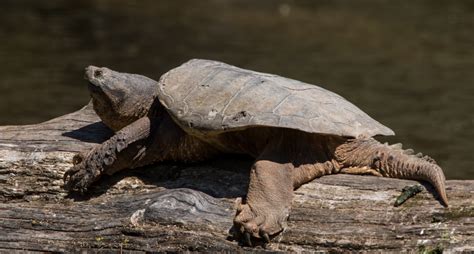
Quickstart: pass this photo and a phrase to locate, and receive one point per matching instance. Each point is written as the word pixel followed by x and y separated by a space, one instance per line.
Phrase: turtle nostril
pixel 98 73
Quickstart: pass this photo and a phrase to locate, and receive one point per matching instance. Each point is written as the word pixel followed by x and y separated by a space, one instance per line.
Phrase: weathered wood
pixel 176 207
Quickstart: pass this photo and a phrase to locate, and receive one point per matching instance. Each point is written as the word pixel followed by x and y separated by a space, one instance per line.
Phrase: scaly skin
pixel 285 158
pixel 312 156
pixel 392 161
pixel 120 98
pixel 115 154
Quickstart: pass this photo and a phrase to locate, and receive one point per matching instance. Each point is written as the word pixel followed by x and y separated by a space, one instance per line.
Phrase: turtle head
pixel 120 98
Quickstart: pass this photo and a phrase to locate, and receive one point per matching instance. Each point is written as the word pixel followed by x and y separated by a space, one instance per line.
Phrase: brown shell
pixel 210 96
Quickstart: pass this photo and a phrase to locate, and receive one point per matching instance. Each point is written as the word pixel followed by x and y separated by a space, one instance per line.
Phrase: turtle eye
pixel 98 73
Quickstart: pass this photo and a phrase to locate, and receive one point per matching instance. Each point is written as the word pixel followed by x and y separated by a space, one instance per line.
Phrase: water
pixel 409 65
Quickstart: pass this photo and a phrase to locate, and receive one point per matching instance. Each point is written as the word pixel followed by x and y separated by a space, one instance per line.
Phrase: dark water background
pixel 409 64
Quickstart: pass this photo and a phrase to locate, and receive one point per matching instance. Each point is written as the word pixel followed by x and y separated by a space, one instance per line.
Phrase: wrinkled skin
pixel 285 159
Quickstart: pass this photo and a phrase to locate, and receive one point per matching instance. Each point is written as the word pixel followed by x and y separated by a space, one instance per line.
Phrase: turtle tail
pixel 391 161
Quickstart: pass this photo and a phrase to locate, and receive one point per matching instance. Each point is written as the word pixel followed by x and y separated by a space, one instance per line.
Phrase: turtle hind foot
pixel 257 229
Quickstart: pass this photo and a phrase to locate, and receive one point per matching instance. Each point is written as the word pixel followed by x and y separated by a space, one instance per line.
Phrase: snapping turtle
pixel 295 131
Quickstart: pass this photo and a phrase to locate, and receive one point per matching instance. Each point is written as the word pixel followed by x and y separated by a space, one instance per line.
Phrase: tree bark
pixel 175 207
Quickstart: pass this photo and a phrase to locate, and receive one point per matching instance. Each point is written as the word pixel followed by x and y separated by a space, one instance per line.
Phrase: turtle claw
pixel 76 180
pixel 81 175
pixel 265 236
pixel 254 226
pixel 247 238
pixel 78 158
pixel 68 174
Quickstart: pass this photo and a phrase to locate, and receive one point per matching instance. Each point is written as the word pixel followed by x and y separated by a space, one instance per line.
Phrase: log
pixel 175 207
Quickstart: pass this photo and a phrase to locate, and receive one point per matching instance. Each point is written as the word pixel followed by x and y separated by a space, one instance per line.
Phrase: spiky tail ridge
pixel 392 161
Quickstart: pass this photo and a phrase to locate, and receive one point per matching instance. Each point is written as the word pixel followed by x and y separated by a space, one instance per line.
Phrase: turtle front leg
pixel 268 201
pixel 119 152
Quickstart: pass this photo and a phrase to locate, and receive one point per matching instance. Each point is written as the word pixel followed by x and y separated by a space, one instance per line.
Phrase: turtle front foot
pixel 84 172
pixel 258 224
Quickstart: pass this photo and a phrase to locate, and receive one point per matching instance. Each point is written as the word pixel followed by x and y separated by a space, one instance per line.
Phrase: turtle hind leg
pixel 391 161
pixel 270 193
pixel 360 171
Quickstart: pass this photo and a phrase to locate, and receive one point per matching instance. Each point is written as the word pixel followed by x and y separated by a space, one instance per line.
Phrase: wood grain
pixel 175 207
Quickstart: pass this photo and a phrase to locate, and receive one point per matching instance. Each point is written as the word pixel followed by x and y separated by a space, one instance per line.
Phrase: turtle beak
pixel 88 72
pixel 92 72
pixel 94 75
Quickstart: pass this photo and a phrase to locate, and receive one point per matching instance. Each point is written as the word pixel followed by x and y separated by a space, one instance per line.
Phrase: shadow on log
pixel 174 207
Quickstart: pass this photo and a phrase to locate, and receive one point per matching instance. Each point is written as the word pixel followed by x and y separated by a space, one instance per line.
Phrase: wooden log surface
pixel 175 207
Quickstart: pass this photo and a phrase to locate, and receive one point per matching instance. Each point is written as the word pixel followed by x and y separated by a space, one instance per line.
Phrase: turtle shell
pixel 212 97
